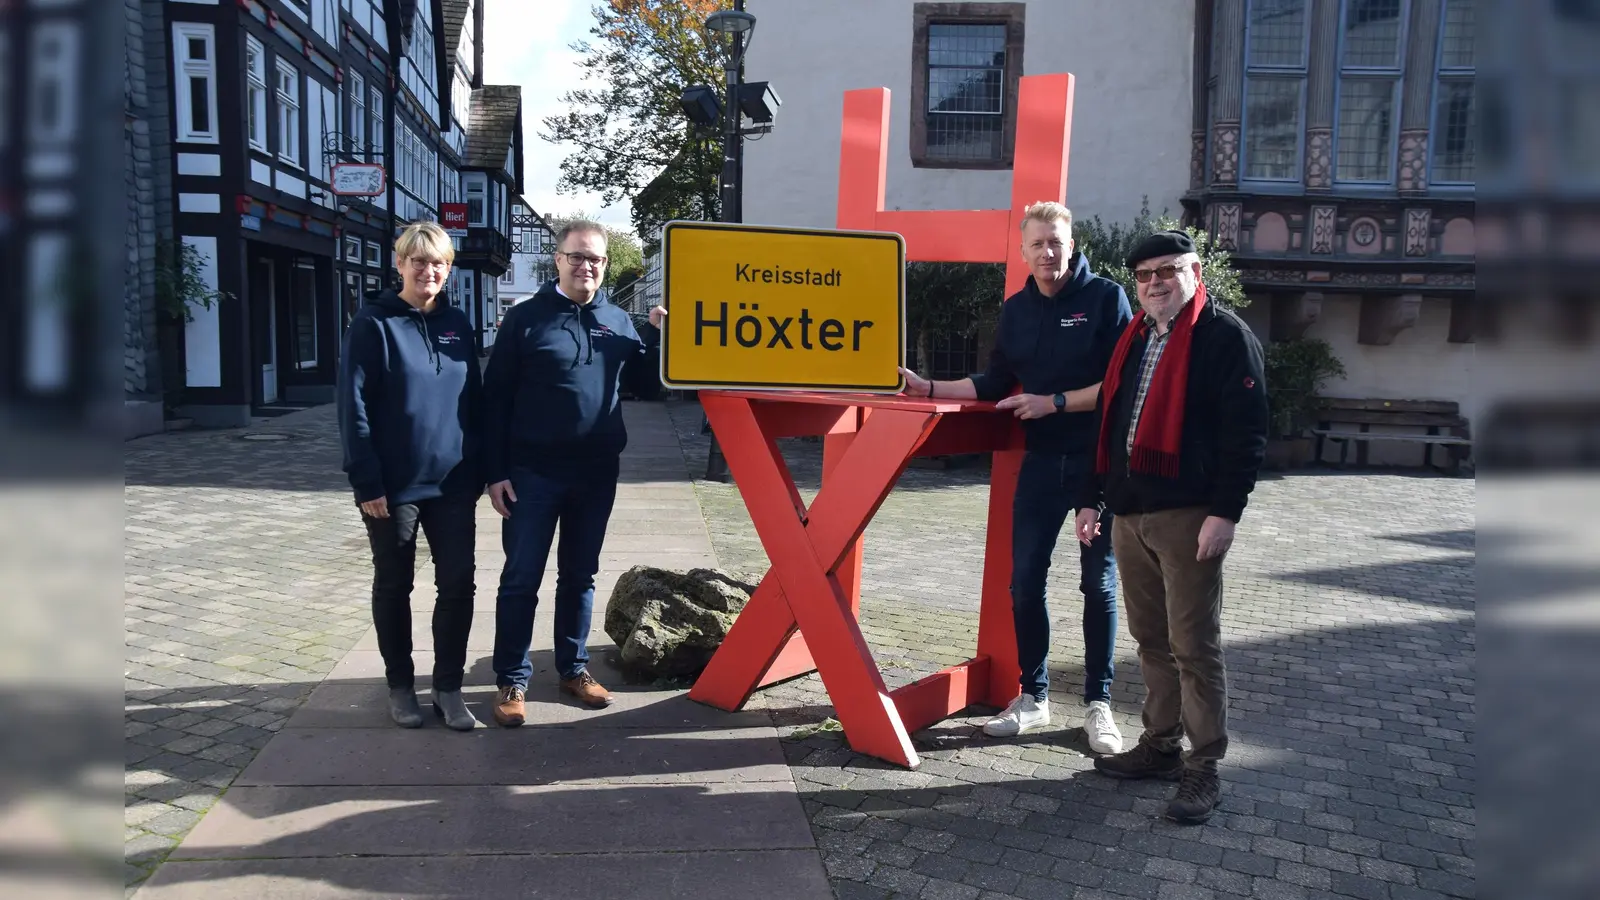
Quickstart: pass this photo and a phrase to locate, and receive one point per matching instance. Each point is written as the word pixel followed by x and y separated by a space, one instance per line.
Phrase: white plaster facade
pixel 1133 67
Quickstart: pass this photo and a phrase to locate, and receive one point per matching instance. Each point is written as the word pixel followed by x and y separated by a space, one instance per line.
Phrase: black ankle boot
pixel 403 708
pixel 451 708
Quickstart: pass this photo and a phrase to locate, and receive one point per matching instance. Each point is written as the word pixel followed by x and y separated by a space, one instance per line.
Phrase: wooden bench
pixel 1426 417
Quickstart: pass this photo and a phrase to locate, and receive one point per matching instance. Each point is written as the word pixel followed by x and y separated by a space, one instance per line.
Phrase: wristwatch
pixel 1061 402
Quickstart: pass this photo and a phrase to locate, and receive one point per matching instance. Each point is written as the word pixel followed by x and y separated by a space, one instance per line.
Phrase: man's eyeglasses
pixel 419 263
pixel 1163 272
pixel 583 259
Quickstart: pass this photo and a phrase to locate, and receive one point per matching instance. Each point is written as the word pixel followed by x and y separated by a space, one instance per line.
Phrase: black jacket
pixel 551 387
pixel 408 401
pixel 1053 345
pixel 1224 426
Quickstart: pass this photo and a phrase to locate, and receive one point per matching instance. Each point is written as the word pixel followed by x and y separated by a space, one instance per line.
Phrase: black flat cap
pixel 1162 243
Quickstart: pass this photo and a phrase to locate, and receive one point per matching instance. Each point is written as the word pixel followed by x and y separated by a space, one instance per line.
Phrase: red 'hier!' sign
pixel 453 216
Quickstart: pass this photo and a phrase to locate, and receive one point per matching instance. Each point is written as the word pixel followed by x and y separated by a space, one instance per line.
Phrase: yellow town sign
pixel 760 307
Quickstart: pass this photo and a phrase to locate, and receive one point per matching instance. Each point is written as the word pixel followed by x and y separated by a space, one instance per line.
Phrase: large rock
pixel 668 624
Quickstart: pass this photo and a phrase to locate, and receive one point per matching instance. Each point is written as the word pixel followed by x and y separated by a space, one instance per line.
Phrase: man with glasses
pixel 1182 433
pixel 1054 340
pixel 553 440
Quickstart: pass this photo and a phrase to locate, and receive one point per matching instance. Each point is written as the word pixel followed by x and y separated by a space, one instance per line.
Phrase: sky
pixel 527 43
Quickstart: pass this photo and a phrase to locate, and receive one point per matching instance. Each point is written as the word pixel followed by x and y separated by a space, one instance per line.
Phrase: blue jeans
pixel 581 503
pixel 1046 487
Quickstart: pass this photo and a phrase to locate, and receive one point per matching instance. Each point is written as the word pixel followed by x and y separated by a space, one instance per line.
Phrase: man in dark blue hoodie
pixel 553 441
pixel 409 392
pixel 1055 338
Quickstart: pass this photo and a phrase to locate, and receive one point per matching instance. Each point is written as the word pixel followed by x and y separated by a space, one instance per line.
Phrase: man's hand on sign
pixel 1029 406
pixel 916 385
pixel 658 314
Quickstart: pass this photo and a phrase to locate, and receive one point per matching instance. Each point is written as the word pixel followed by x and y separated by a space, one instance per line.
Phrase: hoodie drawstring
pixel 421 322
pixel 584 354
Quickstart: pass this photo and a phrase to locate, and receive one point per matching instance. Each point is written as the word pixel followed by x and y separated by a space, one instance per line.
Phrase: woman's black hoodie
pixel 410 395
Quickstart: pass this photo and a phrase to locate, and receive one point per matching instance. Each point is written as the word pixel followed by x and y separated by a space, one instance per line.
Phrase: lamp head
pixel 730 21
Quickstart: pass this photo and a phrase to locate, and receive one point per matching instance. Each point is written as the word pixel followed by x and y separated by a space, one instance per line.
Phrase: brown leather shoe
pixel 587 690
pixel 508 707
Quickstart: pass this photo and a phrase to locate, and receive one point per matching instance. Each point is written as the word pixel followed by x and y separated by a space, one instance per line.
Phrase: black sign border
pixel 666 275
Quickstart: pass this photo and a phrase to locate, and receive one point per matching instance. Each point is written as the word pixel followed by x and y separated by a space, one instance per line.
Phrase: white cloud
pixel 528 43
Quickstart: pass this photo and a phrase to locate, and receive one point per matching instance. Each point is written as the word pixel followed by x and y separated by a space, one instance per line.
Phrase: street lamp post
pixel 738 26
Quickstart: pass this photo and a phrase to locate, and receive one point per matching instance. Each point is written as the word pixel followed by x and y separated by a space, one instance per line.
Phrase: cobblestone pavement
pixel 1349 622
pixel 246 576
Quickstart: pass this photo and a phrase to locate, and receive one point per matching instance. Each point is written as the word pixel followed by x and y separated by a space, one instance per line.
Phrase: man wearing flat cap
pixel 1181 435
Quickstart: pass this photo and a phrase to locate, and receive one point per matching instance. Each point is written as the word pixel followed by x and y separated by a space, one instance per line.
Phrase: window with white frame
pixel 1276 34
pixel 194 64
pixel 358 114
pixel 1454 117
pixel 352 249
pixel 374 255
pixel 419 71
pixel 375 109
pixel 288 112
pixel 256 93
pixel 431 179
pixel 1371 51
pixel 408 168
pixel 449 185
pixel 477 190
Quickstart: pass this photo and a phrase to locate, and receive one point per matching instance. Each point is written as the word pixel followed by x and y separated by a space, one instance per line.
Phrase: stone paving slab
pixel 306 822
pixel 345 705
pixel 783 875
pixel 493 756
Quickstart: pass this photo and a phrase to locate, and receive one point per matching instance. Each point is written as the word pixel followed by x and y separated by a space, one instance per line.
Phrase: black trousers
pixel 448 524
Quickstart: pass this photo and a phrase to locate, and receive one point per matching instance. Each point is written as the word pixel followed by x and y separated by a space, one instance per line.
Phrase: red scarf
pixel 1160 432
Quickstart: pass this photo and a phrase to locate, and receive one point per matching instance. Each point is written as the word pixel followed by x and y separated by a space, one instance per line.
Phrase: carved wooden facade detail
pixel 1225 154
pixel 1226 227
pixel 1419 223
pixel 1323 219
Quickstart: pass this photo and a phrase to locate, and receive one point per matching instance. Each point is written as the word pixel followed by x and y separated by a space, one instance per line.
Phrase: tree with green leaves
pixel 630 137
pixel 1107 246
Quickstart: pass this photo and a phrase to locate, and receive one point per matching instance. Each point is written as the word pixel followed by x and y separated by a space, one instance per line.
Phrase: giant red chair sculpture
pixel 804 614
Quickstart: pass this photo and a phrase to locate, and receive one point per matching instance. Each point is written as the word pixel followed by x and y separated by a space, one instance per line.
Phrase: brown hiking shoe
pixel 508 707
pixel 1143 761
pixel 1199 794
pixel 587 690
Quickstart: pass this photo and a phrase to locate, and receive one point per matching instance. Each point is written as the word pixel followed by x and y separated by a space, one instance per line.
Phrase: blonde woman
pixel 409 393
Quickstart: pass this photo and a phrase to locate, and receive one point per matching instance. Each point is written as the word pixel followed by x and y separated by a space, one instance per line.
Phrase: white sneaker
pixel 1024 714
pixel 1101 729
